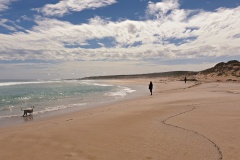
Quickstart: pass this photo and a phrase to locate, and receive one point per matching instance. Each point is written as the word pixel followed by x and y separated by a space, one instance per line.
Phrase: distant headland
pixel 229 71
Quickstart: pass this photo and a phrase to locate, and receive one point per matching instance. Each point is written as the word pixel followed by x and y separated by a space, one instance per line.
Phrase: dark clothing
pixel 185 79
pixel 150 87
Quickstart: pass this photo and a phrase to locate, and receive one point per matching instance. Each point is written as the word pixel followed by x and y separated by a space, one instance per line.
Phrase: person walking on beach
pixel 150 86
pixel 185 79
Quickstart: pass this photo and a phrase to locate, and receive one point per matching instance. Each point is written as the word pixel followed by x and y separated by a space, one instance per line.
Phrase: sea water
pixel 50 96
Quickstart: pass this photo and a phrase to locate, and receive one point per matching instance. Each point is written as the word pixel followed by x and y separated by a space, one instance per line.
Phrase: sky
pixel 59 39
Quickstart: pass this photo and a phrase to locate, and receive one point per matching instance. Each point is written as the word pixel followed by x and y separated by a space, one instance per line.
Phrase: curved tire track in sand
pixel 171 125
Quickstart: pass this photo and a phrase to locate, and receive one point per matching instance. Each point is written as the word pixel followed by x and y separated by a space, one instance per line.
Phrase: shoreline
pixel 18 120
pixel 179 121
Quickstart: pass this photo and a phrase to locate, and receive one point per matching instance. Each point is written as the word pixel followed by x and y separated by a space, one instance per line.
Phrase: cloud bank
pixel 168 33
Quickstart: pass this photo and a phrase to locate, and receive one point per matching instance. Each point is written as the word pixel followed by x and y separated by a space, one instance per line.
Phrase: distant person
pixel 150 86
pixel 185 79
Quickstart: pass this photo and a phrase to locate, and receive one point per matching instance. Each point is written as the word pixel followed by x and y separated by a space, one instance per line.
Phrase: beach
pixel 194 121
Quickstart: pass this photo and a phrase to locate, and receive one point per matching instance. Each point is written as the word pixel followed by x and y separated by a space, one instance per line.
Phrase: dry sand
pixel 179 122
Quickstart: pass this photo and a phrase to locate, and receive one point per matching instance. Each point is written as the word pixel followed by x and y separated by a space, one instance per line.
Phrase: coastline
pixel 136 91
pixel 180 121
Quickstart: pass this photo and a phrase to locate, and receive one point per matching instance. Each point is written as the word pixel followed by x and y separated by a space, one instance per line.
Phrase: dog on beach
pixel 27 110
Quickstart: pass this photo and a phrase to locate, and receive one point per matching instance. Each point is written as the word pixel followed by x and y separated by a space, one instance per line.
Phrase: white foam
pixel 20 83
pixel 61 107
pixel 121 93
pixel 23 98
pixel 9 116
pixel 104 85
pixel 95 84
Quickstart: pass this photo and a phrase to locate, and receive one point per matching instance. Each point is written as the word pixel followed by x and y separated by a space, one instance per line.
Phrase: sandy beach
pixel 193 121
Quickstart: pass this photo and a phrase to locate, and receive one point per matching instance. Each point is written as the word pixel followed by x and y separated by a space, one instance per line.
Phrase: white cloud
pixel 175 36
pixel 3 24
pixel 67 6
pixel 160 9
pixel 4 4
pixel 9 25
pixel 25 18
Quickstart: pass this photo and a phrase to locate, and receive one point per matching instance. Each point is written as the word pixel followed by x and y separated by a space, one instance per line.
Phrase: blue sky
pixel 52 39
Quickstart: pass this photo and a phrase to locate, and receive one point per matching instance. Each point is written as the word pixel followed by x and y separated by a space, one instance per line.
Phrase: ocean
pixel 50 96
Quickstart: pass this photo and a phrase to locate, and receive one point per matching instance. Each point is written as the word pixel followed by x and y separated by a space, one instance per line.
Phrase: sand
pixel 193 121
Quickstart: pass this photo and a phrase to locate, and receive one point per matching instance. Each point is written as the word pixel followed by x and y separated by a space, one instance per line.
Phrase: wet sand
pixel 192 121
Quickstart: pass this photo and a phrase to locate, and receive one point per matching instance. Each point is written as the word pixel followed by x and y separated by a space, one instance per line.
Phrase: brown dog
pixel 27 110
